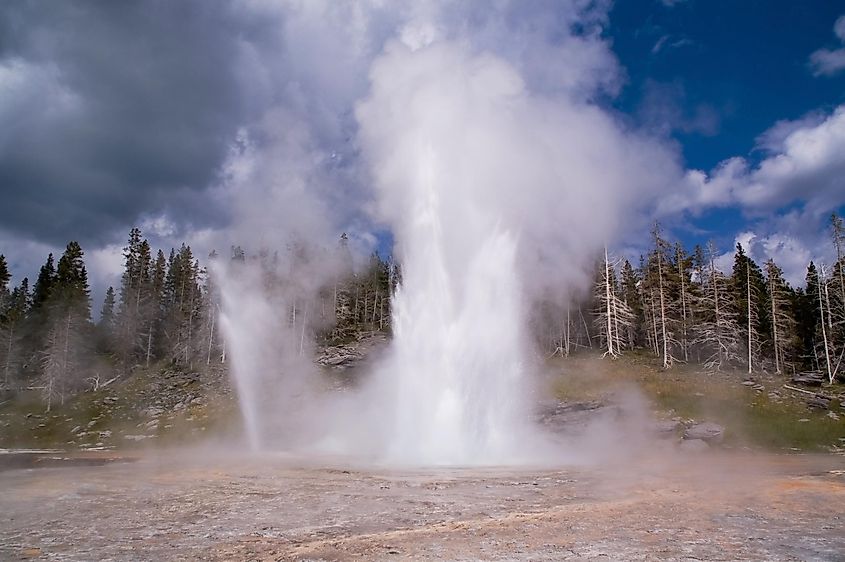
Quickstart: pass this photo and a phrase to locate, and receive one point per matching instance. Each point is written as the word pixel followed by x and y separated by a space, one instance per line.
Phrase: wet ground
pixel 197 505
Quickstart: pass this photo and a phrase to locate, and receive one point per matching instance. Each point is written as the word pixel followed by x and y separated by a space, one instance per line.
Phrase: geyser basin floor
pixel 715 507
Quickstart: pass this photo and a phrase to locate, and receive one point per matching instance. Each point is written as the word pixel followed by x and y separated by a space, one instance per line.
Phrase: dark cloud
pixel 109 108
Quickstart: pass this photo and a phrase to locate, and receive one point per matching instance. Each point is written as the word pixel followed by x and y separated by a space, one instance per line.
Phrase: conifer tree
pixel 782 320
pixel 807 318
pixel 69 308
pixel 11 329
pixel 657 291
pixel 5 277
pixel 750 299
pixel 683 265
pixel 632 300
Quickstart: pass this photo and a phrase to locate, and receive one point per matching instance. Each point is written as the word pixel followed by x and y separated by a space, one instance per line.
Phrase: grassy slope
pixel 759 418
pixel 187 405
pixel 196 404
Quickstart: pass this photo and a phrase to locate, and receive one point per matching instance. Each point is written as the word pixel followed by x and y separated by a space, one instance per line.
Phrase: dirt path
pixel 693 507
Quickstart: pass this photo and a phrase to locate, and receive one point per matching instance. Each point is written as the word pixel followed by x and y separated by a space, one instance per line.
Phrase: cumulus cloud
pixel 827 62
pixel 804 162
pixel 789 251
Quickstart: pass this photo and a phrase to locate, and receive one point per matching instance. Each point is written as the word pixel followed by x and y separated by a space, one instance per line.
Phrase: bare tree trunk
pixel 748 311
pixel 65 354
pixel 375 308
pixel 666 361
pixel 8 366
pixel 210 339
pixel 567 330
pixel 586 329
pixel 716 306
pixel 683 308
pixel 149 345
pixel 188 356
pixel 302 331
pixel 609 329
pixel 822 283
pixel 656 340
pixel 773 300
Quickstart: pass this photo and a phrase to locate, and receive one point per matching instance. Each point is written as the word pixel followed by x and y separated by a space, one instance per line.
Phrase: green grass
pixel 751 418
pixel 24 423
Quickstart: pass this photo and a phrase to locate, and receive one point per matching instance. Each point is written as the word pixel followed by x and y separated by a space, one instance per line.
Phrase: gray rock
pixel 667 428
pixel 818 402
pixel 809 378
pixel 707 431
pixel 694 445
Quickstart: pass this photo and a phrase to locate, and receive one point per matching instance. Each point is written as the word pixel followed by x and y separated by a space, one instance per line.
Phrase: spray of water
pixel 495 193
pixel 459 354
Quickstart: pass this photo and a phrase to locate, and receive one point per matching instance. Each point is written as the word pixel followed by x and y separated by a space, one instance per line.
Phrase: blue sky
pixel 729 71
pixel 181 117
pixel 747 61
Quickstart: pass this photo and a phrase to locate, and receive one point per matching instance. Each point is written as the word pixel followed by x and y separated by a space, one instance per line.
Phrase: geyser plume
pixel 480 181
pixel 499 182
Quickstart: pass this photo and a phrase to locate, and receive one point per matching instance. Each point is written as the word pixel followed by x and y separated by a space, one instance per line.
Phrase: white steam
pixel 499 183
pixel 493 194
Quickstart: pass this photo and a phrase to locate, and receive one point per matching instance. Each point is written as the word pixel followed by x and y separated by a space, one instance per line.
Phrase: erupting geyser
pixel 499 184
pixel 458 348
pixel 455 377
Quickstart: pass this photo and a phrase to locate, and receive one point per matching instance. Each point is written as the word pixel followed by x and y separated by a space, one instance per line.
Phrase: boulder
pixel 667 428
pixel 809 378
pixel 818 402
pixel 694 445
pixel 707 431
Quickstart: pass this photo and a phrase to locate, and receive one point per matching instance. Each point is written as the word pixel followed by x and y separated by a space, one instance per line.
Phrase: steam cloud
pixel 499 181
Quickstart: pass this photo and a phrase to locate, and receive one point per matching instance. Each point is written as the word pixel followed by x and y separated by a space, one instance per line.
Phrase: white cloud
pixel 827 62
pixel 805 164
pixel 789 252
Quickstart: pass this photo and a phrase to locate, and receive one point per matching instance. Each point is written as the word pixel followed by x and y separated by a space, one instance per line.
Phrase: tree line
pixel 684 309
pixel 164 312
pixel 678 304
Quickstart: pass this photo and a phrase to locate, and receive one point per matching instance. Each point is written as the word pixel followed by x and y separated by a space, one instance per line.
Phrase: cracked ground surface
pixel 189 506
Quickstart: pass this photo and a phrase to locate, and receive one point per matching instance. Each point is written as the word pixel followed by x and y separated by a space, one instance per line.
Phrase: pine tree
pixel 683 265
pixel 38 320
pixel 105 328
pixel 69 306
pixel 807 318
pixel 107 314
pixel 632 300
pixel 182 305
pixel 134 285
pixel 657 292
pixel 5 277
pixel 44 283
pixel 750 300
pixel 782 319
pixel 14 318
